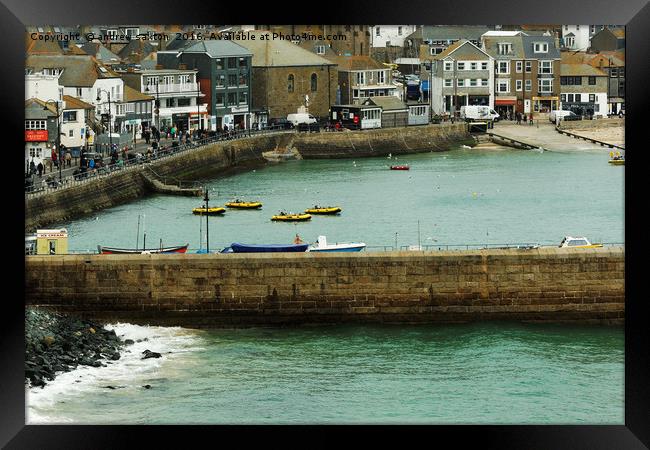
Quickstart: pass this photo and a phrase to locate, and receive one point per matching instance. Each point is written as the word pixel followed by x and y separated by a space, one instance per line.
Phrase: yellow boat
pixel 617 162
pixel 323 210
pixel 244 205
pixel 616 158
pixel 291 217
pixel 210 212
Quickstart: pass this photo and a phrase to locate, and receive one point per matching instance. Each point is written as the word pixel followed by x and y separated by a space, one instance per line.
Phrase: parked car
pixel 280 123
pixel 298 118
pixel 478 112
pixel 563 115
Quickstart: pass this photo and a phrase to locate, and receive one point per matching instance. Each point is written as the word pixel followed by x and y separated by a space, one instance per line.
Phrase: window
pixel 232 63
pixel 529 66
pixel 314 82
pixel 569 41
pixel 484 82
pixel 473 82
pixel 219 63
pixel 613 72
pixel 361 78
pixel 545 85
pixel 473 66
pixel 51 71
pixel 243 80
pixel 460 65
pixel 183 102
pixel 592 98
pixel 540 47
pixel 69 116
pixel 290 81
pixel 484 66
pixel 461 82
pixel 320 49
pixel 355 93
pixel 184 79
pixel 232 98
pixel 504 48
pixel 592 81
pixel 167 79
pixel 377 31
pixel 399 31
pixel 518 85
pixel 243 97
pixel 545 67
pixel 448 66
pixel 519 66
pixel 219 98
pixel 221 81
pixel 529 85
pixel 131 32
pixel 578 98
pixel 70 133
pixel 563 97
pixel 79 92
pixel 569 98
pixel 242 63
pixel 503 85
pixel 169 103
pixel 448 82
pixel 381 77
pixel 503 67
pixel 232 79
pixel 35 125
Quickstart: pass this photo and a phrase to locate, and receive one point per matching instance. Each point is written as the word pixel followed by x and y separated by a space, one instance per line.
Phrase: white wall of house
pixel 580 40
pixel 602 108
pixel 73 131
pixel 395 34
pixel 43 87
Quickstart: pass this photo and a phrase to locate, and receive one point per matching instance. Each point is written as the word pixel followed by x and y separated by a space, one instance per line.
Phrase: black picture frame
pixel 635 14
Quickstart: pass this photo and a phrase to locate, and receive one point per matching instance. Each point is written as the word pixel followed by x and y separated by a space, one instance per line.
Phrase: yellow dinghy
pixel 210 211
pixel 616 159
pixel 323 210
pixel 244 205
pixel 617 162
pixel 283 217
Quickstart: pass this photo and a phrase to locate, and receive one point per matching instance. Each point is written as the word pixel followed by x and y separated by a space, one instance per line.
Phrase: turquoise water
pixel 489 373
pixel 496 373
pixel 458 197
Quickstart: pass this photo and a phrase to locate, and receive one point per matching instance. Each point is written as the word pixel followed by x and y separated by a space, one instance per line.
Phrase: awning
pixel 502 101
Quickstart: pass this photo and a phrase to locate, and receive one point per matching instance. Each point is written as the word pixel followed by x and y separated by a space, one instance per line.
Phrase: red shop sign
pixel 36 136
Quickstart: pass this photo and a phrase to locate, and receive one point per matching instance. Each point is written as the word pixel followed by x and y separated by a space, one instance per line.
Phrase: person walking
pixel 525 119
pixel 32 167
pixel 40 169
pixel 68 158
pixel 54 159
pixel 530 119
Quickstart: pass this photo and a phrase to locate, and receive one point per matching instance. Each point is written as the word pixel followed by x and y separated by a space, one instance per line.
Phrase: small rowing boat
pixel 401 167
pixel 133 251
pixel 323 210
pixel 209 212
pixel 284 217
pixel 267 248
pixel 244 205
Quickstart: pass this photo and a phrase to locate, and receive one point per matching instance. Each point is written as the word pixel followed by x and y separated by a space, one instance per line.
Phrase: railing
pixel 53 185
pixel 595 141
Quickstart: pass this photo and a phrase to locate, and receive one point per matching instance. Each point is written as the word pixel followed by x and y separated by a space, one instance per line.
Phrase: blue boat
pixel 267 248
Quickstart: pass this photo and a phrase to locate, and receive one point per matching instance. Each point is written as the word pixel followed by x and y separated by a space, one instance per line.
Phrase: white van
pixel 552 117
pixel 477 112
pixel 299 118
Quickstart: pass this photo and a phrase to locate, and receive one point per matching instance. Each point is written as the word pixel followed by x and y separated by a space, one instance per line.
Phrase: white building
pixel 74 120
pixel 576 37
pixel 42 86
pixel 390 35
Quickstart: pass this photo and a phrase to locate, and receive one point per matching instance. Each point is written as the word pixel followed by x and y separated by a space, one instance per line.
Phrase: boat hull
pixel 210 212
pixel 338 248
pixel 269 248
pixel 323 211
pixel 246 205
pixel 617 162
pixel 130 251
pixel 399 167
pixel 292 218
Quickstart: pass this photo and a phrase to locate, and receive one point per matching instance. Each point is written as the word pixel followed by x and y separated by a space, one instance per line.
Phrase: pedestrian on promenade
pixel 91 164
pixel 68 158
pixel 40 169
pixel 32 167
pixel 54 159
pixel 530 119
pixel 525 118
pixel 517 117
pixel 146 137
pixel 49 164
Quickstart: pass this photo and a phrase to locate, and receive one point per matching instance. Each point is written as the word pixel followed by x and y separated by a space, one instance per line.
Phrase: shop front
pixel 505 106
pixel 37 147
pixel 545 104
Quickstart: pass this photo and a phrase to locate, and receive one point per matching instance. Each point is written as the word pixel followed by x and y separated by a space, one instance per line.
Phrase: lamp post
pixel 58 133
pixel 110 127
pixel 157 104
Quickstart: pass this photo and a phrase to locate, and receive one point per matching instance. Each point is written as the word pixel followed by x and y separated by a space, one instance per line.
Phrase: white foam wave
pixel 127 373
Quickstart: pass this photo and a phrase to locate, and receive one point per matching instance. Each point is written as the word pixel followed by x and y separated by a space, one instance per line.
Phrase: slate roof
pixel 444 32
pixel 577 69
pixel 136 50
pixel 78 70
pixel 100 52
pixel 387 103
pixel 36 104
pixel 217 48
pixel 75 103
pixel 491 48
pixel 449 50
pixel 350 63
pixel 529 41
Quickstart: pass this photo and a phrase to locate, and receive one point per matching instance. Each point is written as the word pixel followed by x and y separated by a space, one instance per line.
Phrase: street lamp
pixel 58 132
pixel 157 108
pixel 110 127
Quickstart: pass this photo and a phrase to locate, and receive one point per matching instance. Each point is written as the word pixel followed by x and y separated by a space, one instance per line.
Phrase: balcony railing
pixel 173 88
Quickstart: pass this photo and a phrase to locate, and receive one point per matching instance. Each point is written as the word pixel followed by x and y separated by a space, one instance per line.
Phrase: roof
pixel 31 102
pixel 217 48
pixel 100 52
pixel 132 95
pixel 349 63
pixel 388 103
pixel 407 61
pixel 136 50
pixel 528 45
pixel 618 32
pixel 41 47
pixel 455 46
pixel 490 46
pixel 280 53
pixel 444 32
pixel 78 70
pixel 573 69
pixel 75 103
pixel 502 33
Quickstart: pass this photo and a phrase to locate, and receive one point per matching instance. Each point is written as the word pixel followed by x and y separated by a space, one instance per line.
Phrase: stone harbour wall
pixel 546 284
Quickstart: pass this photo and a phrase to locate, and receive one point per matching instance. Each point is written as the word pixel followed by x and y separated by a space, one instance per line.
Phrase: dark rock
pixel 128 341
pixel 150 354
pixel 147 386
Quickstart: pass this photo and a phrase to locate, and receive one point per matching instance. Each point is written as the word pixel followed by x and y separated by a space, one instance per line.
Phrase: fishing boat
pixel 616 159
pixel 323 210
pixel 244 205
pixel 321 245
pixel 400 167
pixel 284 217
pixel 210 211
pixel 266 248
pixel 121 251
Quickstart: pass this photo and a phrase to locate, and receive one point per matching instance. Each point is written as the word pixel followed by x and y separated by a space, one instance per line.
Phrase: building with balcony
pixel 222 70
pixel 362 77
pixel 463 74
pixel 177 95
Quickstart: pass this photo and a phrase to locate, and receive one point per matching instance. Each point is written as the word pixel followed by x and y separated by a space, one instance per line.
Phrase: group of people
pixel 519 117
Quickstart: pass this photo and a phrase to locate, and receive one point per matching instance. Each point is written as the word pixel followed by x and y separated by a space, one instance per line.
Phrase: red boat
pixel 403 167
pixel 121 251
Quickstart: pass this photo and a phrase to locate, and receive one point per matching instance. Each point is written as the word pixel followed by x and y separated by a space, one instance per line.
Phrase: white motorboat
pixel 321 245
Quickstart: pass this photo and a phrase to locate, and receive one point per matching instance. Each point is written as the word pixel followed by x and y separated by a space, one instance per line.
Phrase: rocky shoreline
pixel 59 343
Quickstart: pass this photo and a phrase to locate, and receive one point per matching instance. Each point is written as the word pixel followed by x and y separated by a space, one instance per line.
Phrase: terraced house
pixel 583 88
pixel 527 72
pixel 463 74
